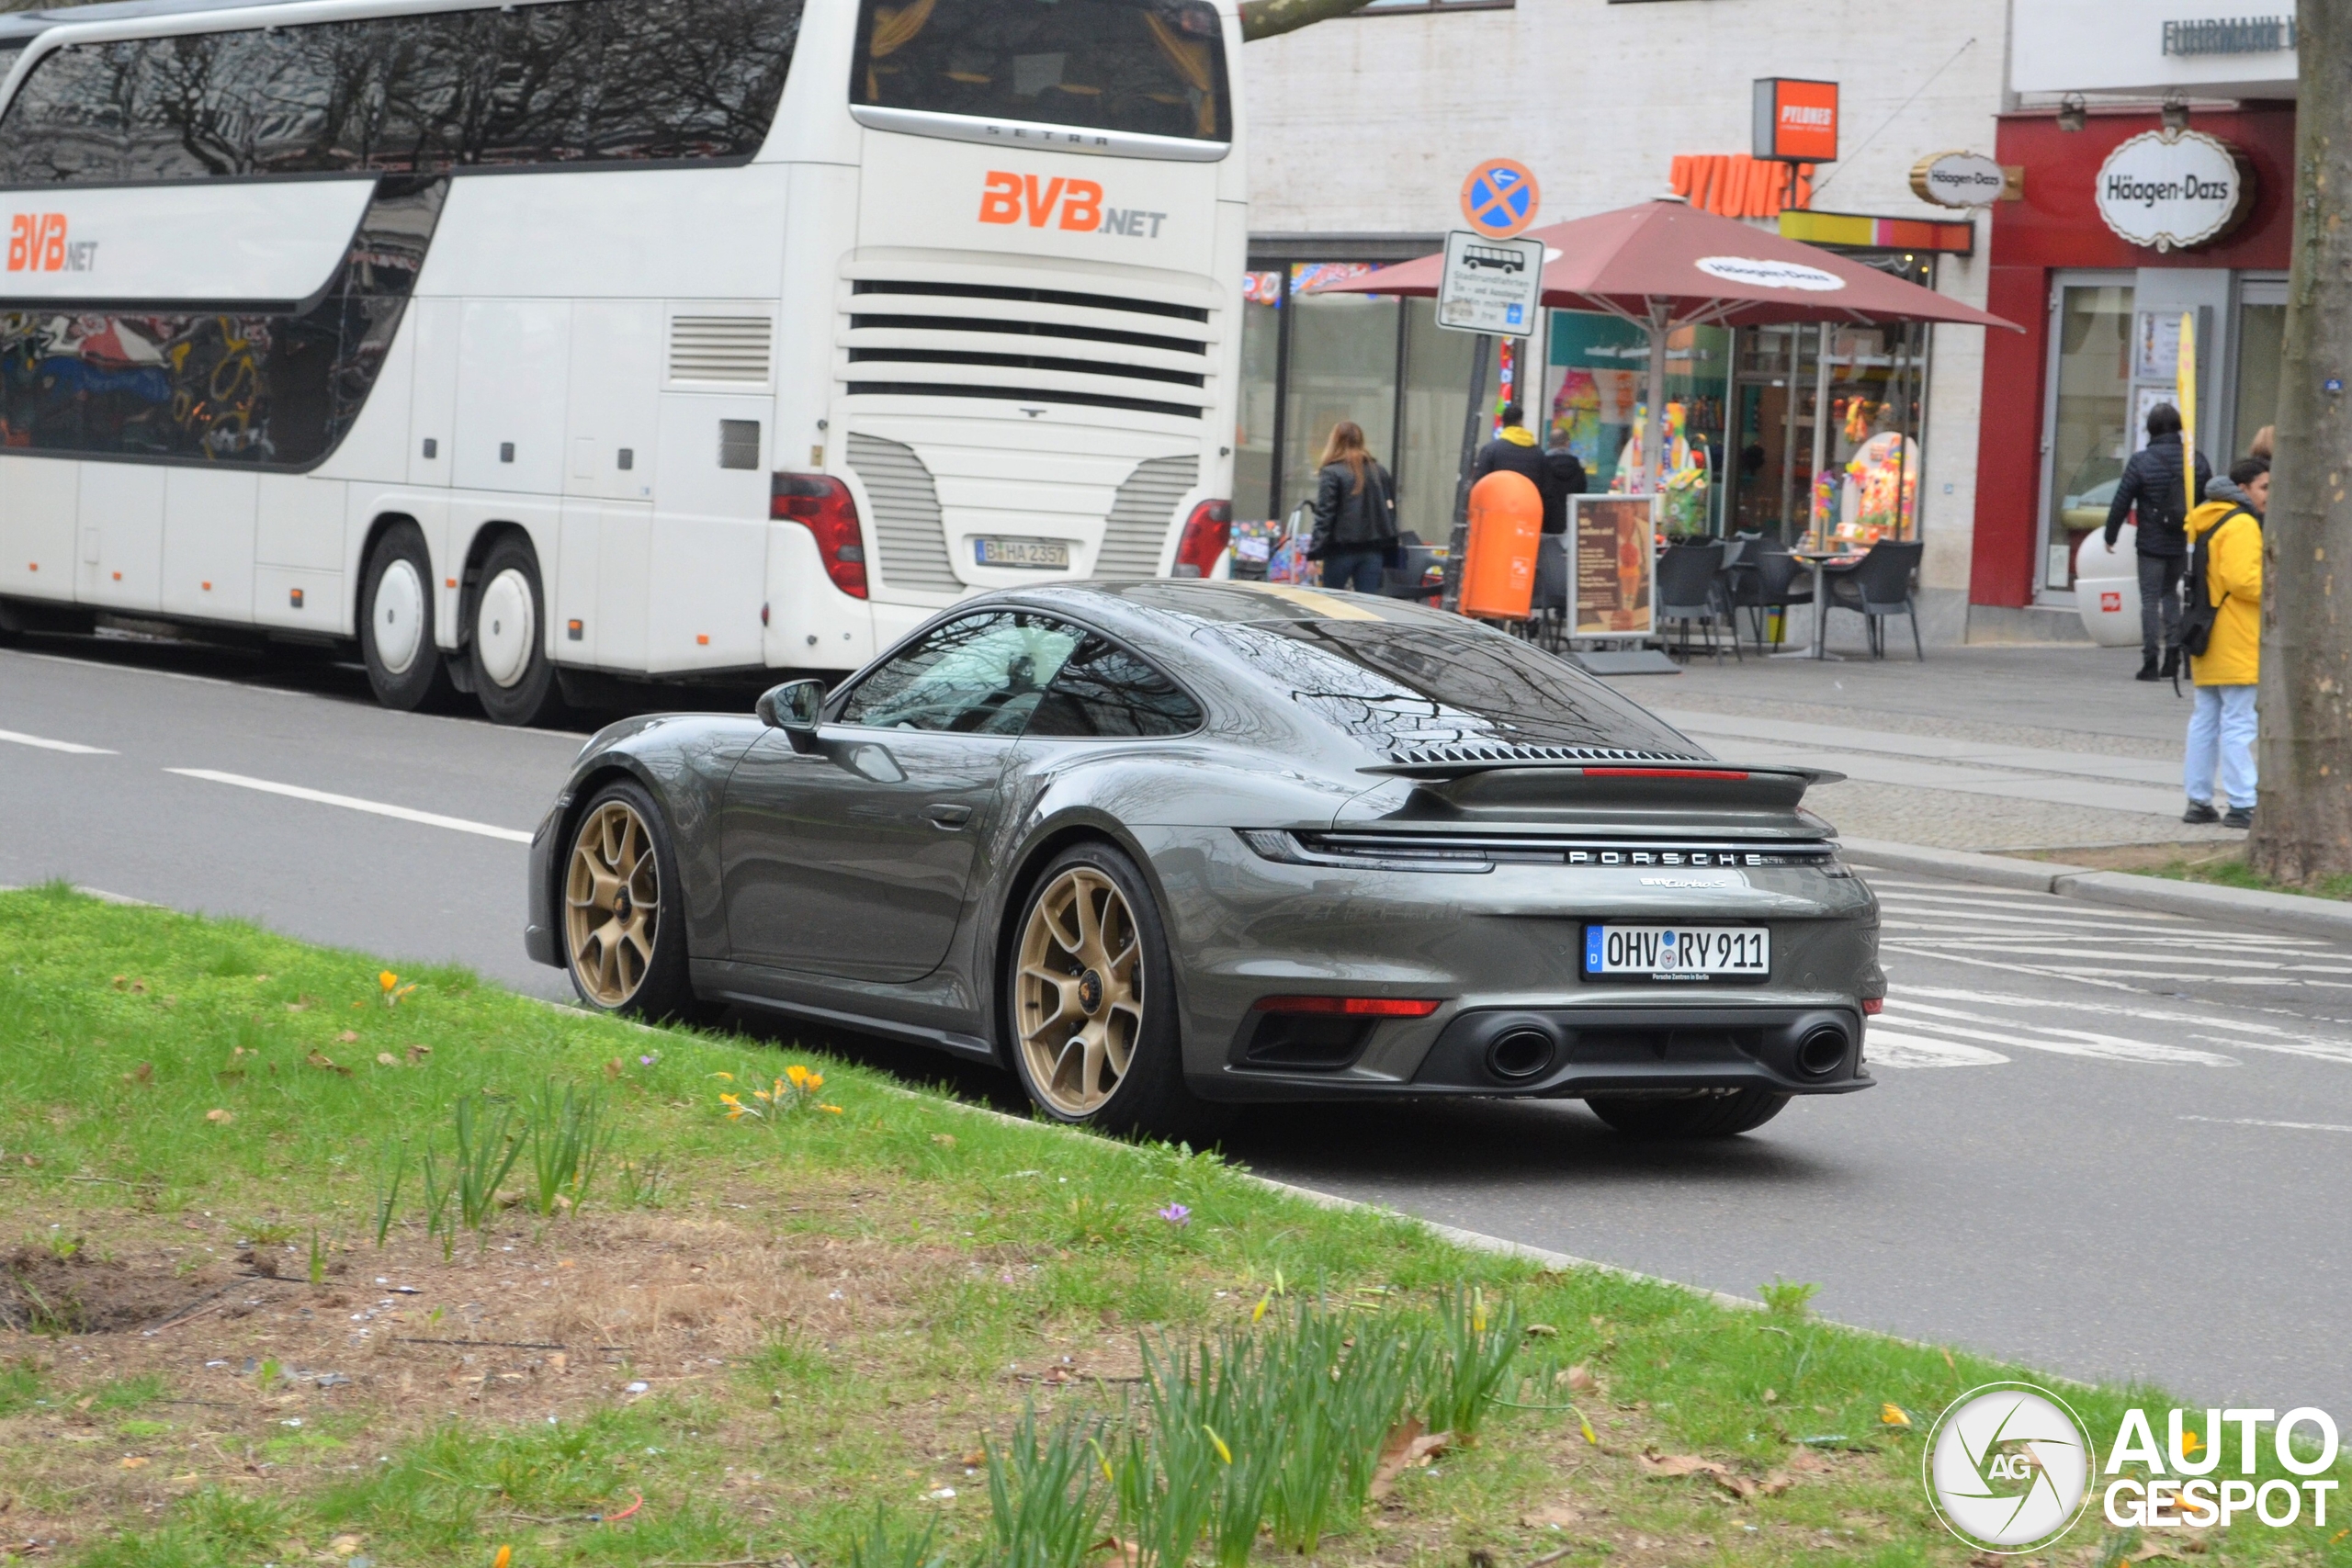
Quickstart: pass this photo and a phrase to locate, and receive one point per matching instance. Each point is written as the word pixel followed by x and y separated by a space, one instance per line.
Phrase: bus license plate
pixel 1042 553
pixel 1677 952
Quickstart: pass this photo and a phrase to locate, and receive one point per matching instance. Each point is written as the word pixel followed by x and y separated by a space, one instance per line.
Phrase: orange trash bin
pixel 1498 565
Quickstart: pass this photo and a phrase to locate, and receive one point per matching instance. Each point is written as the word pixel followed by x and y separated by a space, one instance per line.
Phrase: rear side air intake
pixel 1143 514
pixel 908 530
pixel 729 349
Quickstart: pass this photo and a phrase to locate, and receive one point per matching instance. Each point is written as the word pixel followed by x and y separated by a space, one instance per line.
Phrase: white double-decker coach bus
pixel 655 338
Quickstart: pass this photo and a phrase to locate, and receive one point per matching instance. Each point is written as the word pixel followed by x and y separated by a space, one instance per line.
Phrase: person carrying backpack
pixel 2151 484
pixel 2221 629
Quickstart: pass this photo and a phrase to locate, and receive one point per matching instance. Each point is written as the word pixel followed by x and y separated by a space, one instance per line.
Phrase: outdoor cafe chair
pixel 1877 586
pixel 1549 608
pixel 1691 588
pixel 1767 578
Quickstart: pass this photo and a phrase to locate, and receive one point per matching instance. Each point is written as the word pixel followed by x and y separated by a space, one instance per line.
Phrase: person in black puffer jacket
pixel 1355 513
pixel 2152 485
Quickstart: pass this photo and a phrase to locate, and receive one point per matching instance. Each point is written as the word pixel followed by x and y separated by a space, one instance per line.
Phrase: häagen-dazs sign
pixel 2174 189
pixel 1958 179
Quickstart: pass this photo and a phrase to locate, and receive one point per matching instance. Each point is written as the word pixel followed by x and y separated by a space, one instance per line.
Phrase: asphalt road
pixel 2103 1143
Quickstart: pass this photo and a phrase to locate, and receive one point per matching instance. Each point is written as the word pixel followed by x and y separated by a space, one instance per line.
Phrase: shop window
pixel 1594 388
pixel 1253 434
pixel 2090 436
pixel 1435 395
pixel 2262 336
pixel 1342 365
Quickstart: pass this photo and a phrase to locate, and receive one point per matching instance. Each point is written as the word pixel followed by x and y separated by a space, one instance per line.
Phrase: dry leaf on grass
pixel 325 1063
pixel 1407 1445
pixel 1741 1486
pixel 1579 1379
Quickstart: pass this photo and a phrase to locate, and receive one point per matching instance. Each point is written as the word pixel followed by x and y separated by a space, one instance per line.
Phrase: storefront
pixel 1742 403
pixel 2124 225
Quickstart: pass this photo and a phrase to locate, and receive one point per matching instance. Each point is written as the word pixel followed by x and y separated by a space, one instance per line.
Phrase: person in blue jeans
pixel 2221 726
pixel 1355 514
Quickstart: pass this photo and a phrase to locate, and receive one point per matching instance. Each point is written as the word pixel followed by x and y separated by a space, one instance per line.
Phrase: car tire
pixel 1087 942
pixel 513 678
pixel 1698 1116
pixel 406 670
pixel 622 911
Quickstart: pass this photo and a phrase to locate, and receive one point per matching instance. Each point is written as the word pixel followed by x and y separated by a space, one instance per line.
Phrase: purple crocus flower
pixel 1177 1214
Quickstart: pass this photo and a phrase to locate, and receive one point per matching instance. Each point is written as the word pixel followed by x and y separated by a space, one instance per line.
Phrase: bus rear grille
pixel 1141 516
pixel 908 530
pixel 1039 346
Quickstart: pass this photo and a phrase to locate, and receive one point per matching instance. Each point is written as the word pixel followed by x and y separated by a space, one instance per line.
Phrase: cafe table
pixel 1823 561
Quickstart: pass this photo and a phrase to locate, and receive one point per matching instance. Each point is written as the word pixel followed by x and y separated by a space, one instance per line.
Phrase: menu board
pixel 1614 565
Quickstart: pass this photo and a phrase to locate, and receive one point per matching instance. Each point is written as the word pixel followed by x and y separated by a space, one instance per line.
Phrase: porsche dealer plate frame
pixel 1684 953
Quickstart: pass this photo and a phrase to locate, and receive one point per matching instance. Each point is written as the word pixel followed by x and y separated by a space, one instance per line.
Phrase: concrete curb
pixel 2290 912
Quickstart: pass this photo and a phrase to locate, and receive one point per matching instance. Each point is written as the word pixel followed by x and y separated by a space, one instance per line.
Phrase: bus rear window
pixel 1148 67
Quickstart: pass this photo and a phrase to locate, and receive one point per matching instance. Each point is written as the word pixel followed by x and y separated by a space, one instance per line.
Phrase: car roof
pixel 1198 599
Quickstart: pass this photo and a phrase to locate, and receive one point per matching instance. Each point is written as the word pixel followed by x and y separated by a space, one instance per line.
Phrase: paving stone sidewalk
pixel 2001 748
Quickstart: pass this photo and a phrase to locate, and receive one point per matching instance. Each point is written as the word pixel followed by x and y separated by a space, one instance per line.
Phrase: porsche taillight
pixel 1205 534
pixel 823 505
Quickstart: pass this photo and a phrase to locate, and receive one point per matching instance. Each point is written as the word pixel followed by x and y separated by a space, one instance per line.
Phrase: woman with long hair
pixel 1355 513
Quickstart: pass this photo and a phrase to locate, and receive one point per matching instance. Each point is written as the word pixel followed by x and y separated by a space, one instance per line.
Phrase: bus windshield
pixel 1152 67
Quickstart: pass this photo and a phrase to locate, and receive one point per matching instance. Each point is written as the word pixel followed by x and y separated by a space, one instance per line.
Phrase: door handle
pixel 947 815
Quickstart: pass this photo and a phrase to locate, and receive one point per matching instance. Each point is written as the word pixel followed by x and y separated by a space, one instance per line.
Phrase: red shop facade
pixel 2066 400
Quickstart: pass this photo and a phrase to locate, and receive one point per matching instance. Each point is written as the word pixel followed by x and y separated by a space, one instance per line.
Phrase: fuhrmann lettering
pixel 2229 35
pixel 2125 189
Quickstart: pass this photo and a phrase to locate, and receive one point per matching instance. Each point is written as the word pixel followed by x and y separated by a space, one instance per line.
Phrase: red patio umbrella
pixel 1664 264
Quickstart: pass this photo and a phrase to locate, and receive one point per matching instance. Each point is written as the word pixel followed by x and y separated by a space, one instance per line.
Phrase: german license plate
pixel 1041 553
pixel 1677 952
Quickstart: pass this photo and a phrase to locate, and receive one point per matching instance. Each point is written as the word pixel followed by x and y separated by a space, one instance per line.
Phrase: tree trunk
pixel 1265 19
pixel 2303 828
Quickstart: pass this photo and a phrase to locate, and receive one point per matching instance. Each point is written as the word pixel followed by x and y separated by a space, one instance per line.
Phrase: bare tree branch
pixel 1266 19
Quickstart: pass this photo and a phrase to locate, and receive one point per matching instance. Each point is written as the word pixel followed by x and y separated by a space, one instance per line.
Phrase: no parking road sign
pixel 1500 198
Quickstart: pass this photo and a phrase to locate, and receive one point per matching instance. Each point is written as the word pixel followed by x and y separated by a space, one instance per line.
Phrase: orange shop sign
pixel 1796 121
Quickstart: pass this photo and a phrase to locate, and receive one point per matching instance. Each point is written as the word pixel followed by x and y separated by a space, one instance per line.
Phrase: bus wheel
pixel 513 678
pixel 404 667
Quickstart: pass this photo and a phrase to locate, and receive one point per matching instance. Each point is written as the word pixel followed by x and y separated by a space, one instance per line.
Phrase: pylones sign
pixel 2174 189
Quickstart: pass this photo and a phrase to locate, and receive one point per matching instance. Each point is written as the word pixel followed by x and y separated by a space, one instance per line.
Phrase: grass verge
pixel 825 1330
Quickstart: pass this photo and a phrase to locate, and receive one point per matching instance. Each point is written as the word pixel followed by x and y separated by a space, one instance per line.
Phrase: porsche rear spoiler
pixel 1691 770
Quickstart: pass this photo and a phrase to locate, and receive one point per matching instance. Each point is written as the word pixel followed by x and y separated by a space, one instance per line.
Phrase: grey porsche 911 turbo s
pixel 1158 846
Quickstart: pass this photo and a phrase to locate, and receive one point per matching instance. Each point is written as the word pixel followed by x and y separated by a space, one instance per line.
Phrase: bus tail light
pixel 1205 534
pixel 823 505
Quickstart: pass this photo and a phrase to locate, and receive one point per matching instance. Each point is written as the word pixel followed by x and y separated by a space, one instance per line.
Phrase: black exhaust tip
pixel 1520 1054
pixel 1822 1051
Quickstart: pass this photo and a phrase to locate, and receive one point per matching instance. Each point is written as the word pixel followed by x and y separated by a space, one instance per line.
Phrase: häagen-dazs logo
pixel 2008 1468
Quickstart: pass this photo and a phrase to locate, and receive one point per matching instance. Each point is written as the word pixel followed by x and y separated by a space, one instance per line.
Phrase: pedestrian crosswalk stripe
pixel 1951 1022
pixel 2258 1121
pixel 2245 1034
pixel 2023 901
pixel 2044 970
pixel 1889 1048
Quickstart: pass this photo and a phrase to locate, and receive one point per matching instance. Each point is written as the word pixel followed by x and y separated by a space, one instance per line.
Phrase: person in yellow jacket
pixel 2221 726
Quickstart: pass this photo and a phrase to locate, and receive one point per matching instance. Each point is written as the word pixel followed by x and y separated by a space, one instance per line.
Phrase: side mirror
pixel 793 707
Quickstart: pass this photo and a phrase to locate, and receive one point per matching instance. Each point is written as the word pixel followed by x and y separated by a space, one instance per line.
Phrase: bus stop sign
pixel 1500 198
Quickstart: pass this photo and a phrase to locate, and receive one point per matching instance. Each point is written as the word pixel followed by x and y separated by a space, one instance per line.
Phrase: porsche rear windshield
pixel 1151 67
pixel 1398 683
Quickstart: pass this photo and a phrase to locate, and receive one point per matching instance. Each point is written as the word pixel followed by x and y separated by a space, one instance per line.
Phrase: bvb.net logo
pixel 2008 1468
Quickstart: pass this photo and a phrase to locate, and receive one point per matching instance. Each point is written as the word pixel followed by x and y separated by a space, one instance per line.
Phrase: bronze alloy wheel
pixel 1077 1000
pixel 612 897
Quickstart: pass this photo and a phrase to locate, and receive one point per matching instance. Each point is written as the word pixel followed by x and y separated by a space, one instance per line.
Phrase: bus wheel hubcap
pixel 398 617
pixel 505 627
pixel 1078 999
pixel 612 898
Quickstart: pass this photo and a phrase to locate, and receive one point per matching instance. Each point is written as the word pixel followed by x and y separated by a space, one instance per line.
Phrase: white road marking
pixel 2255 1122
pixel 1887 1048
pixel 47 745
pixel 2061 1041
pixel 2022 901
pixel 353 803
pixel 2269 1038
pixel 2010 968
